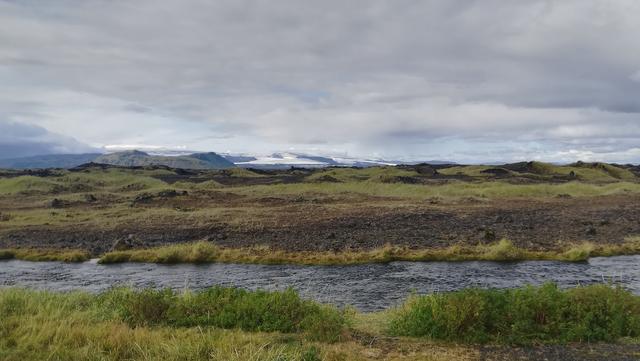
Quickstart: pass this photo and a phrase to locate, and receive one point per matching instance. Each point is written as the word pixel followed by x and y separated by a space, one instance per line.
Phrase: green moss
pixel 371 174
pixel 454 189
pixel 26 184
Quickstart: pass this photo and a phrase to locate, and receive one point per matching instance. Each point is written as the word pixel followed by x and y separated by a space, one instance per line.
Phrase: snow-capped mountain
pixel 288 159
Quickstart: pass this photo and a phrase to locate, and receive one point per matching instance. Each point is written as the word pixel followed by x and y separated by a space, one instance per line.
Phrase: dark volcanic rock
pixel 58 203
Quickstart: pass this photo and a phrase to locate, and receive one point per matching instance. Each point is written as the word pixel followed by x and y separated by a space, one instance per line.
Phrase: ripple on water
pixel 368 287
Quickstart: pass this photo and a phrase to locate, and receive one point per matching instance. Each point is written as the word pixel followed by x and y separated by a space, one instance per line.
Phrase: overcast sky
pixel 467 81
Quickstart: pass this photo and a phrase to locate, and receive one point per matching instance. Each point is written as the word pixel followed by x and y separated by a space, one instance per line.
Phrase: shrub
pixel 225 308
pixel 521 316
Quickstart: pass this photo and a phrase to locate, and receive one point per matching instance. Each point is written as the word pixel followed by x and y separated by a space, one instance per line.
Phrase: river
pixel 368 287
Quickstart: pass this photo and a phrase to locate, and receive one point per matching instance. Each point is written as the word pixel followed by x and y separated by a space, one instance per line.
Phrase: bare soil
pixel 295 224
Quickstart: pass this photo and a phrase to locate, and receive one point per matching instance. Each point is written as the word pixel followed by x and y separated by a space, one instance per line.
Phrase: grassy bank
pixel 504 250
pixel 123 324
pixel 229 324
pixel 43 255
pixel 206 252
pixel 521 316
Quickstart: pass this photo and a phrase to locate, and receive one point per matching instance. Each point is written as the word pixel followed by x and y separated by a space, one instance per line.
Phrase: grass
pixel 227 308
pixel 588 172
pixel 109 180
pixel 373 174
pixel 454 189
pixel 123 324
pixel 234 325
pixel 205 252
pixel 504 250
pixel 521 316
pixel 45 255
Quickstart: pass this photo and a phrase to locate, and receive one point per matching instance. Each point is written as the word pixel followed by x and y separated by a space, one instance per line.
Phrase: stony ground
pixel 153 207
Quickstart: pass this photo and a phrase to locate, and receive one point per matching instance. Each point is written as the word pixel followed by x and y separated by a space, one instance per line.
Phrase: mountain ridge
pixel 136 158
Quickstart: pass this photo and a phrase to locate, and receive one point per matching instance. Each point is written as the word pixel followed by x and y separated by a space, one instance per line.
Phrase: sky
pixel 466 81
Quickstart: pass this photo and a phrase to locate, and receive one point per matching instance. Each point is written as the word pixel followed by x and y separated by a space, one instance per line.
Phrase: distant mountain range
pixel 49 161
pixel 188 160
pixel 136 158
pixel 286 160
pixel 132 158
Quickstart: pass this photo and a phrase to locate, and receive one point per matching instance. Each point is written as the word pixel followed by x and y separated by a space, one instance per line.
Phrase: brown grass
pixel 504 250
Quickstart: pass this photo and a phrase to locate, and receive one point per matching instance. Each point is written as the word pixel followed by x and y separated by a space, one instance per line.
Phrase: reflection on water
pixel 367 287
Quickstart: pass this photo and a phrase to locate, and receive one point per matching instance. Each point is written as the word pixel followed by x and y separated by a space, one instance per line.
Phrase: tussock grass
pixel 224 308
pixel 45 255
pixel 39 325
pixel 521 316
pixel 504 250
pixel 126 324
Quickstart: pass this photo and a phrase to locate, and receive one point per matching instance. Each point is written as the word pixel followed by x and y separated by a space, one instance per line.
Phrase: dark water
pixel 367 287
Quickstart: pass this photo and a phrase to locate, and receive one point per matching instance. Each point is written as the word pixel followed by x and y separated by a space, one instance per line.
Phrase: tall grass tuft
pixel 45 255
pixel 126 324
pixel 521 316
pixel 503 250
pixel 224 308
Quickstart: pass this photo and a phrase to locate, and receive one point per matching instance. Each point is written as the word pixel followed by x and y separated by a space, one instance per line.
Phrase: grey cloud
pixel 21 140
pixel 364 76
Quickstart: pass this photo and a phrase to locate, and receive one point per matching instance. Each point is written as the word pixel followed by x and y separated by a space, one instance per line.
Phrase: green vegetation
pixel 224 308
pixel 123 324
pixel 454 189
pixel 588 172
pixel 372 174
pixel 103 180
pixel 45 255
pixel 521 316
pixel 504 250
pixel 235 325
pixel 205 252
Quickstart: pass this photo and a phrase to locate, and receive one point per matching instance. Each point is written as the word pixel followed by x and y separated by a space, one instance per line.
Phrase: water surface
pixel 368 287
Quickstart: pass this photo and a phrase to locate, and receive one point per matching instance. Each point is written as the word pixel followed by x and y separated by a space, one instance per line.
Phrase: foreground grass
pixel 521 316
pixel 123 324
pixel 204 252
pixel 234 325
pixel 45 255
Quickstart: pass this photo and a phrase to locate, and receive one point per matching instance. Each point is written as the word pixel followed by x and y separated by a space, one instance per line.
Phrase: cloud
pixel 20 140
pixel 398 78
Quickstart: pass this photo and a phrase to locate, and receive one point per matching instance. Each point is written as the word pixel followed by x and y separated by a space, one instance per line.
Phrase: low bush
pixel 224 308
pixel 521 316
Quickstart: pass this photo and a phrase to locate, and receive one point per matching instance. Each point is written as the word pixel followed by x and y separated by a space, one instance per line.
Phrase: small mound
pixel 499 172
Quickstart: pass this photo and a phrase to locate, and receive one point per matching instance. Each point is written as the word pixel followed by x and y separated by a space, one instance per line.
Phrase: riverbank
pixel 228 324
pixel 207 252
pixel 504 250
pixel 538 208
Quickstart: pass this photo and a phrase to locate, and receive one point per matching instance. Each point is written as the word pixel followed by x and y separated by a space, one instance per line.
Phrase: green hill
pixel 136 158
